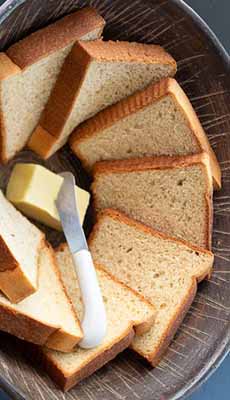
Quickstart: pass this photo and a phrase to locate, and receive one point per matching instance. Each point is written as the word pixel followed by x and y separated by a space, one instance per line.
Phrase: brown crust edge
pixel 7 69
pixel 55 36
pixel 66 381
pixel 13 282
pixel 60 339
pixel 125 219
pixel 155 357
pixel 60 103
pixel 162 162
pixel 136 102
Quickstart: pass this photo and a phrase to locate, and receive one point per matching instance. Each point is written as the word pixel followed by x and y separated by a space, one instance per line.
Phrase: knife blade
pixel 68 212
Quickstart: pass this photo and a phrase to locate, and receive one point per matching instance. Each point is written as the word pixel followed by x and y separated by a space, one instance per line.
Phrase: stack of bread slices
pixel 135 131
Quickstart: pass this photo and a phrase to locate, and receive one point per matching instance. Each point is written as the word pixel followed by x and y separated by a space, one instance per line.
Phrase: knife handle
pixel 94 321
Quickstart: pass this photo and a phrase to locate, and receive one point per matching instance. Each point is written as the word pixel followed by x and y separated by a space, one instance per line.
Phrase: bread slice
pixel 46 317
pixel 20 245
pixel 162 269
pixel 170 194
pixel 28 71
pixel 126 310
pixel 158 120
pixel 95 75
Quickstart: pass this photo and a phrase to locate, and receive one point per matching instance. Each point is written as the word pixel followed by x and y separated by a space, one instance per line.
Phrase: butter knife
pixel 94 318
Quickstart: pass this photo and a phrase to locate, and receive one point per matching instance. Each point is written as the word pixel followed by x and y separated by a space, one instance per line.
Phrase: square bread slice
pixel 162 269
pixel 156 121
pixel 47 317
pixel 20 246
pixel 170 194
pixel 127 313
pixel 95 75
pixel 28 71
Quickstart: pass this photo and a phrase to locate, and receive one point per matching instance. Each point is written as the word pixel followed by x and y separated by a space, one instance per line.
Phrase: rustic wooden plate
pixel 204 337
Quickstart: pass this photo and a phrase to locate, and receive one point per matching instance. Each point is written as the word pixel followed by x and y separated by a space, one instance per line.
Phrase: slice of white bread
pixel 28 71
pixel 170 194
pixel 162 269
pixel 156 121
pixel 127 312
pixel 20 245
pixel 95 75
pixel 47 317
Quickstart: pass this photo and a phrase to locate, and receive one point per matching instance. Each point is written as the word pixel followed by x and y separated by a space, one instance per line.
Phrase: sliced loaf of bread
pixel 28 71
pixel 95 75
pixel 127 313
pixel 164 270
pixel 20 245
pixel 170 194
pixel 158 120
pixel 47 317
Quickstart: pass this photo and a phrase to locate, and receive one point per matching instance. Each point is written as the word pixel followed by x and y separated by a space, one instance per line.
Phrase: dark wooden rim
pixel 12 391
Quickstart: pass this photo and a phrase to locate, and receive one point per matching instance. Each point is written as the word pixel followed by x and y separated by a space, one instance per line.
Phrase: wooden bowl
pixel 204 337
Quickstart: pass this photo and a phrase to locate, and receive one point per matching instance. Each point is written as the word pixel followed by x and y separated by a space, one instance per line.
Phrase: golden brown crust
pixel 13 282
pixel 67 381
pixel 124 219
pixel 186 107
pixel 62 340
pixel 149 163
pixel 7 261
pixel 55 36
pixel 70 79
pixel 162 162
pixel 15 285
pixel 24 326
pixel 127 52
pixel 138 101
pixel 41 142
pixel 7 69
pixel 60 103
pixel 155 357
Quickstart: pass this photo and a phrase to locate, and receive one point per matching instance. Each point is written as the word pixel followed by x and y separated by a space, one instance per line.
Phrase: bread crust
pixel 60 103
pixel 70 79
pixel 136 102
pixel 155 357
pixel 127 52
pixel 123 218
pixel 41 142
pixel 66 380
pixel 23 326
pixel 7 69
pixel 162 162
pixel 60 339
pixel 13 282
pixel 54 37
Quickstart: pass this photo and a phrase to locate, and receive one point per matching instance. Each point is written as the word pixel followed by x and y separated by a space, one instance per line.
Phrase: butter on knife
pixel 33 189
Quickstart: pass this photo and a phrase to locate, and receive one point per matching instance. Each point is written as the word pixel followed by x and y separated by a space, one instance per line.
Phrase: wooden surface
pixel 204 335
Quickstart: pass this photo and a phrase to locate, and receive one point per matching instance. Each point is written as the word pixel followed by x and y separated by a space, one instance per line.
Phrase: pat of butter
pixel 33 189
